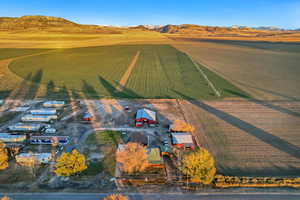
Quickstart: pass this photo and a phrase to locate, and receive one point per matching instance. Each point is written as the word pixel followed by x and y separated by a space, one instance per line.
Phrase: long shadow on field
pixel 268 104
pixel 34 84
pixel 89 90
pixel 270 92
pixel 56 93
pixel 259 133
pixel 19 93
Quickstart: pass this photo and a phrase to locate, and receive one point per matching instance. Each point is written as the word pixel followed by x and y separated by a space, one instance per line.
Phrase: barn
pixel 182 140
pixel 145 116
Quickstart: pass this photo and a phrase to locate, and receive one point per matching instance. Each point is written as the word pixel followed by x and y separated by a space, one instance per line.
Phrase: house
pixel 154 158
pixel 145 116
pixel 33 158
pixel 62 140
pixel 182 140
pixel 6 137
pixel 54 104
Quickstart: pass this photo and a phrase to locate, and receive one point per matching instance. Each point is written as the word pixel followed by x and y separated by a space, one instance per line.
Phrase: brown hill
pixel 51 24
pixel 218 31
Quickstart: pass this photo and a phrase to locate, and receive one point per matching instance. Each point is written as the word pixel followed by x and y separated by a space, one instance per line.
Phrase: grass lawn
pixel 107 143
pixel 161 71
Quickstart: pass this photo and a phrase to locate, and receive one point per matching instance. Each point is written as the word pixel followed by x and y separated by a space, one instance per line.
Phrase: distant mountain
pixel 51 24
pixel 269 28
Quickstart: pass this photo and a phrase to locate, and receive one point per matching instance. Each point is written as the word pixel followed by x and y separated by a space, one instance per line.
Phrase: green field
pixel 160 72
pixel 11 53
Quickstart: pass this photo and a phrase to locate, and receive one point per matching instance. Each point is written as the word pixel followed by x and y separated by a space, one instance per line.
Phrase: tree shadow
pixel 259 133
pixel 34 84
pixel 89 90
pixel 267 104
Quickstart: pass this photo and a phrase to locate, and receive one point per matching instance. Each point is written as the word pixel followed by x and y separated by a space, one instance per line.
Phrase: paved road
pixel 134 196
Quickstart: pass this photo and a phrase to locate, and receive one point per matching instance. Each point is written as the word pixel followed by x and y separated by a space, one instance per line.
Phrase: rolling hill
pixel 51 24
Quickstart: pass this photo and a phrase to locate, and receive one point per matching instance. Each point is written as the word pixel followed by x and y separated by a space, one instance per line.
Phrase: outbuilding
pixel 62 140
pixel 182 140
pixel 87 117
pixel 6 137
pixel 54 104
pixel 145 116
pixel 33 158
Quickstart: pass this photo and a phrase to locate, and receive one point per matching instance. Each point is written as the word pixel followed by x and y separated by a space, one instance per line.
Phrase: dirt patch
pixel 125 77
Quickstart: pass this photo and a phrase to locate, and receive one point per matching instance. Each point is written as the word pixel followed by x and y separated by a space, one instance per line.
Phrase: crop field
pixel 161 71
pixel 266 70
pixel 10 53
pixel 249 137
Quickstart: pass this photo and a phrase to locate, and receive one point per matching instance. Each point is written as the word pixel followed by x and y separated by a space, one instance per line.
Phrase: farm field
pixel 161 71
pixel 268 71
pixel 247 137
pixel 10 53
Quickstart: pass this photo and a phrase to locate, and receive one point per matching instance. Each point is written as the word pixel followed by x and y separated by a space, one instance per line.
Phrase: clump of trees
pixel 116 197
pixel 133 158
pixel 3 156
pixel 70 163
pixel 181 126
pixel 199 165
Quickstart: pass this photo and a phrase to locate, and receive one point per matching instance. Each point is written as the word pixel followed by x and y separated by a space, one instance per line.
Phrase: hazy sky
pixel 282 13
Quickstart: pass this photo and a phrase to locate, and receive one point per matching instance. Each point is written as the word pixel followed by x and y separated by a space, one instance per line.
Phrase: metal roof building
pixel 54 104
pixel 45 111
pixel 38 118
pixel 6 137
pixel 49 139
pixel 182 140
pixel 37 158
pixel 145 116
pixel 21 127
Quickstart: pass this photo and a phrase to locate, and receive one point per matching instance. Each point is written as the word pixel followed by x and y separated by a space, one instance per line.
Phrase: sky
pixel 253 13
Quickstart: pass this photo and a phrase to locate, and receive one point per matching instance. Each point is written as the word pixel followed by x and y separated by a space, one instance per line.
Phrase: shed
pixel 182 140
pixel 145 116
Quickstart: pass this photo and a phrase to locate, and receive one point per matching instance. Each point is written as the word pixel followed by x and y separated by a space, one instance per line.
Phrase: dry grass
pixel 63 40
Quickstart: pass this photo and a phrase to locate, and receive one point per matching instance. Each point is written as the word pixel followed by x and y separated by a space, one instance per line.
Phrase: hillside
pixel 190 29
pixel 51 24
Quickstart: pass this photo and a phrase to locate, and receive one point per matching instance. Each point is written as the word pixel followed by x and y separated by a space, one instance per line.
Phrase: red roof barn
pixel 145 116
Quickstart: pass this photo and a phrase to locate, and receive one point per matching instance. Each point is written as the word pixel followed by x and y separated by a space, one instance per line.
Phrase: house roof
pixel 146 113
pixel 38 156
pixel 182 138
pixel 154 156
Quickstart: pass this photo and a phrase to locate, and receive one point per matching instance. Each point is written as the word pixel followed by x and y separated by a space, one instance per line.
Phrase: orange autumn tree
pixel 133 158
pixel 181 126
pixel 5 198
pixel 116 197
pixel 3 156
pixel 199 165
pixel 70 163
